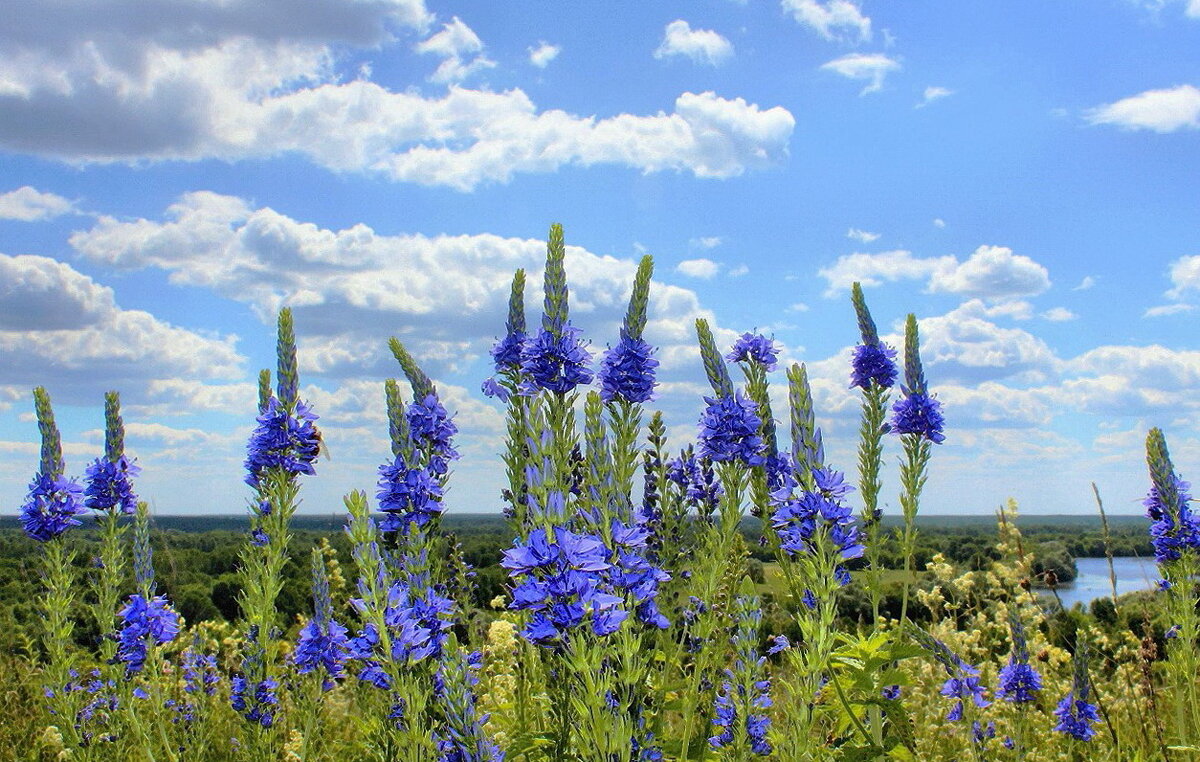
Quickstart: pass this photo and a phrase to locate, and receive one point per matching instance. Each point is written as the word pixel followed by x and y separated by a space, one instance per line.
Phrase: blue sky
pixel 1021 175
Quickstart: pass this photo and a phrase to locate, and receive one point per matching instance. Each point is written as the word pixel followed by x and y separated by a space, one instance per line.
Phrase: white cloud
pixel 1167 309
pixel 1013 310
pixel 1058 315
pixel 938 222
pixel 698 268
pixel 60 328
pixel 205 80
pixel 1087 282
pixel 454 45
pixel 543 54
pixel 28 204
pixel 934 94
pixel 1164 110
pixel 703 46
pixel 798 307
pixel 992 272
pixel 830 18
pixel 876 269
pixel 869 67
pixel 964 346
pixel 444 294
pixel 862 236
pixel 1185 276
pixel 739 271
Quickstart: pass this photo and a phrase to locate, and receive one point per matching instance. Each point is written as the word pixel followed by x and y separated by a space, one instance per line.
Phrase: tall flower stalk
pixel 51 508
pixel 873 373
pixel 815 535
pixel 1175 535
pixel 284 445
pixel 110 494
pixel 917 419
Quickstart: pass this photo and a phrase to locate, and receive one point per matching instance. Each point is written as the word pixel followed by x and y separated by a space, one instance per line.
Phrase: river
pixel 1092 581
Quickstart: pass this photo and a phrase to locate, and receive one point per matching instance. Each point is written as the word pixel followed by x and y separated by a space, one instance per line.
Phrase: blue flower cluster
pixel 729 430
pixel 322 645
pixel 200 672
pixel 432 432
pixel 506 353
pixel 282 440
pixel 110 486
pixel 699 481
pixel 963 681
pixel 560 581
pixel 1172 531
pixel 51 506
pixel 755 348
pixel 873 364
pixel 1019 682
pixel 1076 715
pixel 461 737
pixel 256 702
pixel 918 413
pixel 555 362
pixel 627 371
pixel 745 694
pixel 417 618
pixel 144 622
pixel 634 575
pixel 407 495
pixel 797 519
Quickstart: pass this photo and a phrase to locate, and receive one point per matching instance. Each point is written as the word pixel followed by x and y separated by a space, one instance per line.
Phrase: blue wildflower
pixel 745 694
pixel 506 353
pixel 1172 531
pixel 918 413
pixel 1075 713
pixel 144 622
pixel 729 430
pixel 109 485
pixel 322 646
pixel 873 364
pixel 432 432
pixel 461 737
pixel 755 348
pixel 963 681
pixel 560 580
pixel 699 481
pixel 51 506
pixel 1018 681
pixel 797 518
pixel 555 362
pixel 407 495
pixel 1076 716
pixel 627 371
pixel 288 442
pixel 200 672
pixel 418 619
pixel 493 388
pixel 891 692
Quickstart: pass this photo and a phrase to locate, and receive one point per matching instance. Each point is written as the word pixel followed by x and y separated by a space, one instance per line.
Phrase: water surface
pixel 1092 582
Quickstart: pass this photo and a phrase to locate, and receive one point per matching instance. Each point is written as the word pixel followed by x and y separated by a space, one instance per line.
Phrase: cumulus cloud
pixel 876 269
pixel 703 46
pixel 862 236
pixel 992 272
pixel 230 81
pixel 27 204
pixel 60 328
pixel 832 19
pixel 543 54
pixel 1087 282
pixel 698 268
pixel 1185 276
pixel 454 44
pixel 706 242
pixel 964 346
pixel 1166 110
pixel 869 67
pixel 445 295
